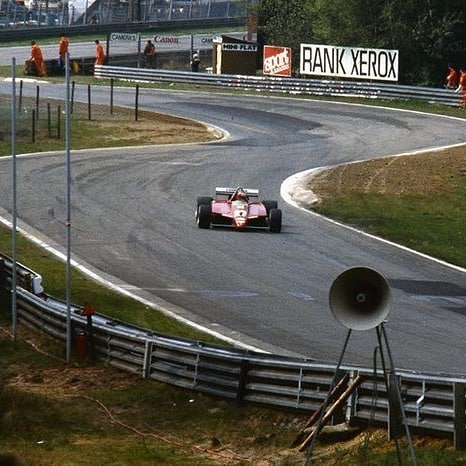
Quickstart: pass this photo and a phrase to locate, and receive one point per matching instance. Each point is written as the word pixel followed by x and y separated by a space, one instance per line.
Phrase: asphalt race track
pixel 133 219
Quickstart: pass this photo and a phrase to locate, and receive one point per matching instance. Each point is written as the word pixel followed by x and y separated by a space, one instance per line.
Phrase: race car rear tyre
pixel 275 220
pixel 204 200
pixel 269 205
pixel 204 216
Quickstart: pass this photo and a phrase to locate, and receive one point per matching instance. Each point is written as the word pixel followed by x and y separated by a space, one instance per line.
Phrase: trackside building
pixel 233 56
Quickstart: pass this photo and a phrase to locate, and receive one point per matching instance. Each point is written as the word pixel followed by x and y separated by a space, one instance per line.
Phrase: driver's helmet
pixel 241 195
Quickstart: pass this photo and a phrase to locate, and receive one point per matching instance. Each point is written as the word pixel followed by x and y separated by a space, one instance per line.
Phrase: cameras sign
pixel 346 62
pixel 277 61
pixel 124 36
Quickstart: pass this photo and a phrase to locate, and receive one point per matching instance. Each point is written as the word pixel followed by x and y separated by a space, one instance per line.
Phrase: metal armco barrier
pixel 433 403
pixel 316 87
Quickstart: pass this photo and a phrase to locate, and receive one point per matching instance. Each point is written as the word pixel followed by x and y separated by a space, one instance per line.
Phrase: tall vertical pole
pixel 68 210
pixel 191 51
pixel 14 206
pixel 399 399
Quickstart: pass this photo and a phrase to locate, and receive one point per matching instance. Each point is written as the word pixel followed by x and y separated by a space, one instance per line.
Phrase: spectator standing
pixel 195 62
pixel 149 54
pixel 37 59
pixel 452 78
pixel 462 88
pixel 99 53
pixel 63 49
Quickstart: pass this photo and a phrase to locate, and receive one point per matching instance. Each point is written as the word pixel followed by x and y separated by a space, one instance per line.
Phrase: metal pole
pixel 111 96
pixel 14 206
pixel 89 102
pixel 68 210
pixel 37 101
pixel 400 400
pixel 191 52
pixel 136 103
pixel 319 426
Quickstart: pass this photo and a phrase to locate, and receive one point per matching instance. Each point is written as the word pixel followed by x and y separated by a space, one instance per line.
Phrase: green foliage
pixel 286 23
pixel 428 34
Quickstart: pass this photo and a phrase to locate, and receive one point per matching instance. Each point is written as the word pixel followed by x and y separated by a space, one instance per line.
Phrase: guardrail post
pixel 352 402
pixel 3 287
pixel 147 359
pixel 459 419
pixel 395 420
pixel 242 382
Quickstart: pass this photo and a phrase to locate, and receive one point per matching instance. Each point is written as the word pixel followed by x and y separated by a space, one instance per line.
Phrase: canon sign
pixel 166 39
pixel 277 61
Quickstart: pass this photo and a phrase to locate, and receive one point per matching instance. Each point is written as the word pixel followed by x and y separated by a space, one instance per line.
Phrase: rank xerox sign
pixel 277 61
pixel 347 62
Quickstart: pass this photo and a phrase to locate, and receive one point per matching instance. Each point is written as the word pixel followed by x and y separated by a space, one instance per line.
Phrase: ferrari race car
pixel 239 208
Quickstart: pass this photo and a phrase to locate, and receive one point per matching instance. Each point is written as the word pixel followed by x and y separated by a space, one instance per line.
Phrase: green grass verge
pixel 81 414
pixel 76 427
pixel 57 414
pixel 86 291
pixel 434 225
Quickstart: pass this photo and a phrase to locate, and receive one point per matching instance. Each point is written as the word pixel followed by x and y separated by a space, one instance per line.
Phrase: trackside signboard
pixel 234 47
pixel 347 62
pixel 124 36
pixel 277 61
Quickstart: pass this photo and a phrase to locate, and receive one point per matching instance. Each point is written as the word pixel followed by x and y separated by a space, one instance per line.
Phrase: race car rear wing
pixel 223 191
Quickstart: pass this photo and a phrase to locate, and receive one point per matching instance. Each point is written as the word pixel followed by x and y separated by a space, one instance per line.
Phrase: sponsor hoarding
pixel 277 61
pixel 348 62
pixel 124 36
pixel 234 47
pixel 198 41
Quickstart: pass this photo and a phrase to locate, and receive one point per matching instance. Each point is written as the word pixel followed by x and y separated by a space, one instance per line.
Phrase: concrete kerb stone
pixel 295 191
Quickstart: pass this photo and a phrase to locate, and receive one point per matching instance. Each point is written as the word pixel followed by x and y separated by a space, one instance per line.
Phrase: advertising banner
pixel 277 61
pixel 347 62
pixel 233 47
pixel 184 42
pixel 124 36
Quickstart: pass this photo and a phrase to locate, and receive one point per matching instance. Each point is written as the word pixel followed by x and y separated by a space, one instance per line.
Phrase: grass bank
pixel 418 201
pixel 57 414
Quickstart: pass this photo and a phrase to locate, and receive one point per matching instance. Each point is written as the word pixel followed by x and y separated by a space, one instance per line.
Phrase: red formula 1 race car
pixel 239 208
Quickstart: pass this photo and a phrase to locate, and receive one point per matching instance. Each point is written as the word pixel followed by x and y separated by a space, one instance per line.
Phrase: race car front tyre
pixel 204 200
pixel 204 216
pixel 275 220
pixel 269 205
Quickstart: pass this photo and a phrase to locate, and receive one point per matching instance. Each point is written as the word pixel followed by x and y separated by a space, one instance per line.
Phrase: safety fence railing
pixel 297 86
pixel 8 34
pixel 433 403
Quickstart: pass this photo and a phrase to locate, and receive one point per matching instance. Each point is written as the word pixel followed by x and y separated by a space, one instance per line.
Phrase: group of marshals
pixel 35 65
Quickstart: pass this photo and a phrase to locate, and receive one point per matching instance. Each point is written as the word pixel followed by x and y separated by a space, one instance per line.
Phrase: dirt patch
pixel 156 128
pixel 423 174
pixel 94 126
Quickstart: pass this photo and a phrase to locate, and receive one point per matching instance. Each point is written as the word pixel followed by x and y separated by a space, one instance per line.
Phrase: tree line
pixel 429 34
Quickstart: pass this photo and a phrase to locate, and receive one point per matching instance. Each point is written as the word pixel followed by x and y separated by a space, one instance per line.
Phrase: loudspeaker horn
pixel 360 298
